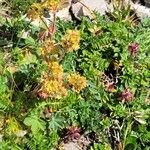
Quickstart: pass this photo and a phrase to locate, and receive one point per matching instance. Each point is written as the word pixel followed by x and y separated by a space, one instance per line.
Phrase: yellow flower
pixel 54 89
pixel 71 40
pixel 77 82
pixel 49 47
pixel 56 70
pixel 51 50
pixel 52 5
pixel 35 11
pixel 55 5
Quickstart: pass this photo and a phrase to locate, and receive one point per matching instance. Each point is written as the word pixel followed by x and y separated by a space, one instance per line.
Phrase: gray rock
pixel 101 6
pixel 71 146
pixel 80 10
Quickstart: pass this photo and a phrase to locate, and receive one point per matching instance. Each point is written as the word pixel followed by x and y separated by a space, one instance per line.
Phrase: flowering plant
pixel 90 79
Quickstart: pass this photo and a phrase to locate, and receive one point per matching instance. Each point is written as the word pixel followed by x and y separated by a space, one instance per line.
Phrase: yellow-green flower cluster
pixel 54 88
pixel 56 71
pixel 51 50
pixel 77 82
pixel 71 40
pixel 37 9
pixel 52 81
pixel 55 5
pixel 52 4
pixel 49 47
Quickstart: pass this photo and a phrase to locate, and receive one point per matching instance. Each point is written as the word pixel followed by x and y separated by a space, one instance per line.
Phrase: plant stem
pixel 86 7
pixel 129 125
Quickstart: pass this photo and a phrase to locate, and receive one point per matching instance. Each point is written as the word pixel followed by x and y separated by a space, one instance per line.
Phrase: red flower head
pixel 133 49
pixel 73 133
pixel 126 95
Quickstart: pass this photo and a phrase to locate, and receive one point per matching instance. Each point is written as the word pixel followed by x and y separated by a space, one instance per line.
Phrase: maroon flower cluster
pixel 133 49
pixel 126 95
pixel 73 133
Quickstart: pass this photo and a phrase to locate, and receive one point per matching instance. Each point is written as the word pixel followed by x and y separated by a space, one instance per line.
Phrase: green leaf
pixel 30 41
pixel 36 123
pixel 56 122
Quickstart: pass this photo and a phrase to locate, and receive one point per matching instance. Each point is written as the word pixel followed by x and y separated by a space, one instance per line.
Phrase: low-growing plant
pixel 89 80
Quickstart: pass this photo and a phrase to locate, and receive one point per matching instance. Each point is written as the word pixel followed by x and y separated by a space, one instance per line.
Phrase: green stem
pixel 129 125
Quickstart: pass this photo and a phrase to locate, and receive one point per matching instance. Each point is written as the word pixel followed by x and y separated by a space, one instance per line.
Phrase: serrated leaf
pixel 35 123
pixel 56 122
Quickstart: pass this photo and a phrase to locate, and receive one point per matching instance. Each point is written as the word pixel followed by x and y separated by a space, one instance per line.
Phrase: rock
pixel 86 7
pixel 64 14
pixel 141 11
pixel 71 146
pixel 81 144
